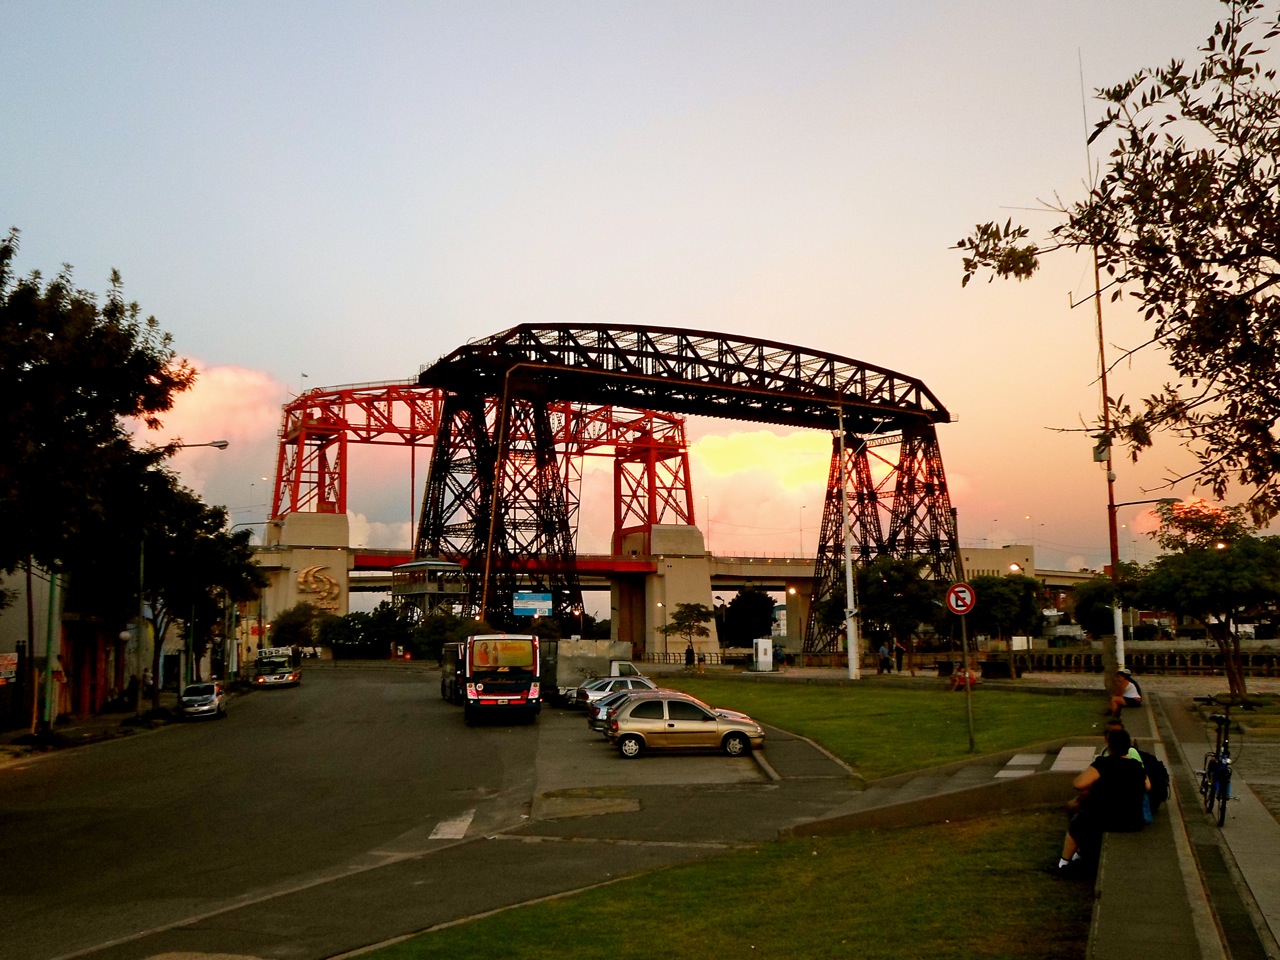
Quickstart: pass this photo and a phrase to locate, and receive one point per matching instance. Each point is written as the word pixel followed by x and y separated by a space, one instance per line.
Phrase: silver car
pixel 203 700
pixel 595 689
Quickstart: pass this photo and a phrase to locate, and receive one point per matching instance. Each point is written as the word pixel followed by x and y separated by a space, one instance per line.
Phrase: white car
pixel 593 690
pixel 203 700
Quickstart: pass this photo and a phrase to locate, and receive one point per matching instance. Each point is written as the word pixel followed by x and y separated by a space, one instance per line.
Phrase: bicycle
pixel 1215 778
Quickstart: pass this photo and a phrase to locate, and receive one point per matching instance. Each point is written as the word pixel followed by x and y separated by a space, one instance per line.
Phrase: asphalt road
pixel 353 809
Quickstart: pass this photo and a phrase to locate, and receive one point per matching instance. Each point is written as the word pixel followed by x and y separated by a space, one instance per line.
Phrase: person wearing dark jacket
pixel 1109 797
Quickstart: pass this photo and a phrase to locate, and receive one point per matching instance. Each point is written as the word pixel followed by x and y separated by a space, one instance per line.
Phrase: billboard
pixel 526 604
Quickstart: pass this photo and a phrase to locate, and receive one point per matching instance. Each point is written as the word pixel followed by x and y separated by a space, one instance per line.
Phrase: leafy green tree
pixel 1196 525
pixel 746 617
pixel 191 563
pixel 1217 583
pixel 72 370
pixel 1092 602
pixel 296 627
pixel 1007 606
pixel 689 620
pixel 895 599
pixel 337 633
pixel 1185 219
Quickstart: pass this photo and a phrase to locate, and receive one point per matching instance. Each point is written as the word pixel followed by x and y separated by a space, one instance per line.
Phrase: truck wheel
pixel 630 746
pixel 469 716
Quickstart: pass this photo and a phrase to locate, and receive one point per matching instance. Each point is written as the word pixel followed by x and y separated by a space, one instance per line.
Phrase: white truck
pixel 566 663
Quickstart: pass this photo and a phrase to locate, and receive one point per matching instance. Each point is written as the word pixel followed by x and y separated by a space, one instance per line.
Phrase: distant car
pixel 203 700
pixel 669 720
pixel 593 690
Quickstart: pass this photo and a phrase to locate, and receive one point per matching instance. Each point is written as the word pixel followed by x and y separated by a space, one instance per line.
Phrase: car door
pixel 647 718
pixel 690 727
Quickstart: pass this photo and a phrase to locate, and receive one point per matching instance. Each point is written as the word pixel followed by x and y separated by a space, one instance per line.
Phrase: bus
pixel 276 667
pixel 501 675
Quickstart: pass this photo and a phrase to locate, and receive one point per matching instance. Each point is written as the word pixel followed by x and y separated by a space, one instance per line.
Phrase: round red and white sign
pixel 961 598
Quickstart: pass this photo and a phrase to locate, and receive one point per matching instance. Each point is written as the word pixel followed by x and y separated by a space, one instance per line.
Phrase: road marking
pixel 454 829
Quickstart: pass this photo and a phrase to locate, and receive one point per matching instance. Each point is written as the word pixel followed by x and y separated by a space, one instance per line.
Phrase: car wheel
pixel 736 744
pixel 630 746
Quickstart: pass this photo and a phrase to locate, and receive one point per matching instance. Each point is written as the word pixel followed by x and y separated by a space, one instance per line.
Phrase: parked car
pixel 203 700
pixel 599 711
pixel 669 720
pixel 598 687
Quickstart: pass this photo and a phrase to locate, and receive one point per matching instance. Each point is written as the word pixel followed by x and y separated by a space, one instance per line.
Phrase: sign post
pixel 960 600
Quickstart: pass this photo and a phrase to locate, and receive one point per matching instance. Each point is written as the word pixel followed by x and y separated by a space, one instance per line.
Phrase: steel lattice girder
pixel 910 492
pixel 691 372
pixel 495 498
pixel 318 426
pixel 311 466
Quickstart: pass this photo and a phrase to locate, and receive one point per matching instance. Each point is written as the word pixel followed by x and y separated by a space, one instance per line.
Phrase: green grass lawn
pixel 884 729
pixel 952 890
pixel 976 888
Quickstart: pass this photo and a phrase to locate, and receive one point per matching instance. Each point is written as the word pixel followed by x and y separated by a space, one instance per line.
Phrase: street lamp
pixel 1117 617
pixel 219 444
pixel 850 597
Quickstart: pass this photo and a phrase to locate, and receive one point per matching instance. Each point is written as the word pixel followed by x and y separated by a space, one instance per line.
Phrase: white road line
pixel 454 829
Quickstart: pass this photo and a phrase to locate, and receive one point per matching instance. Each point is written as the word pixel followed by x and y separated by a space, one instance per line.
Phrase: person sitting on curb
pixel 1109 797
pixel 962 673
pixel 1126 694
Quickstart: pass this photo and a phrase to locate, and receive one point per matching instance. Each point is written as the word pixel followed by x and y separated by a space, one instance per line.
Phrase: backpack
pixel 1158 774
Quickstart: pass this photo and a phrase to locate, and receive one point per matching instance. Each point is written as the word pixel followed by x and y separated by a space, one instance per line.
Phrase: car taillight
pixel 613 725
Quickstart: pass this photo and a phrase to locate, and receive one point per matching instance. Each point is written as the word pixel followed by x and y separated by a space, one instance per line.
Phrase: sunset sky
pixel 312 194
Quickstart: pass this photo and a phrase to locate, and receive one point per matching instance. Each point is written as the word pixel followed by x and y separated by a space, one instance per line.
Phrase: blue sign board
pixel 531 604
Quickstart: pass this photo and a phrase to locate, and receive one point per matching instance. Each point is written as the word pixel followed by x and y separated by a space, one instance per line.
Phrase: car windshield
pixel 199 690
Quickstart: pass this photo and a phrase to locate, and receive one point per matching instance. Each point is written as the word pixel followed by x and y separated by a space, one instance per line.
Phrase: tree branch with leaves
pixel 1185 219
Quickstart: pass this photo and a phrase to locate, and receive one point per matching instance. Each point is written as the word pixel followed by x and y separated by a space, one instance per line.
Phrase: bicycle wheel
pixel 1224 794
pixel 1209 783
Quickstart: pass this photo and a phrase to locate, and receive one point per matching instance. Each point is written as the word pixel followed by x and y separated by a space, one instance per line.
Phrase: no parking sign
pixel 961 598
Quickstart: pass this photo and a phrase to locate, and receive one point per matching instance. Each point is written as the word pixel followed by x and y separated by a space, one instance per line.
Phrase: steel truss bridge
pixel 509 418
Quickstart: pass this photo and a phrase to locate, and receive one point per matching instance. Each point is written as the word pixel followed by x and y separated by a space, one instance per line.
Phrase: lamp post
pixel 851 599
pixel 1113 533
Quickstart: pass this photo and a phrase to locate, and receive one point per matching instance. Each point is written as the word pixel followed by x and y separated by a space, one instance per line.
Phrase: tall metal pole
pixel 1117 622
pixel 52 630
pixel 142 627
pixel 851 599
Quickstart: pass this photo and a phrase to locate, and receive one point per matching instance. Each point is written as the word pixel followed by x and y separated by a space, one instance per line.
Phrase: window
pixel 683 710
pixel 647 710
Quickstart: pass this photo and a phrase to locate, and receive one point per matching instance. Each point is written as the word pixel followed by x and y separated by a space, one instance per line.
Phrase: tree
pixel 296 627
pixel 1196 525
pixel 1217 574
pixel 71 370
pixel 1186 220
pixel 192 565
pixel 748 616
pixel 1007 605
pixel 894 599
pixel 687 620
pixel 1092 602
